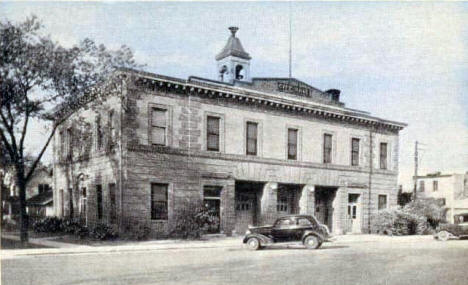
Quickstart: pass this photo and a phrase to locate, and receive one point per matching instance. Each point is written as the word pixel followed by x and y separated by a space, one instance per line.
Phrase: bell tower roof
pixel 233 47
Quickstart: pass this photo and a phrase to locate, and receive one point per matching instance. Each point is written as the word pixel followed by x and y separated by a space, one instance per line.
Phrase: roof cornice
pixel 155 81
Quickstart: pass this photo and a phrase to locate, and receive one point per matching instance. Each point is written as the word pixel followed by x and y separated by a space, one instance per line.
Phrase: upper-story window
pixel 158 126
pixel 212 133
pixel 111 126
pixel 421 186
pixel 69 142
pixel 292 144
pixel 354 152
pixel 252 138
pixel 383 155
pixel 327 148
pixel 435 185
pixel 99 138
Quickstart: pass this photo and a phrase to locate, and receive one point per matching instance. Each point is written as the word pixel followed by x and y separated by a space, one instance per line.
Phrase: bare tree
pixel 42 80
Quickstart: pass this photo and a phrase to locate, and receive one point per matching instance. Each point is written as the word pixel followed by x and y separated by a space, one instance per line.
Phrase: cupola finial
pixel 233 30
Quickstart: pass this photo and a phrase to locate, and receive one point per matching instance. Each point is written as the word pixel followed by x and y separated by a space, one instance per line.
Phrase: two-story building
pixel 450 189
pixel 250 148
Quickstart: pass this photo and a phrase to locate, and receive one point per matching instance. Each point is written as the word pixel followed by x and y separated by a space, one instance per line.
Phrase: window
pixel 421 186
pixel 69 142
pixel 327 148
pixel 62 142
pixel 304 222
pixel 159 201
pixel 62 202
pixel 251 148
pixel 383 155
pixel 243 202
pixel 284 223
pixel 212 133
pixel 83 203
pixel 99 201
pixel 158 126
pixel 112 209
pixel 282 201
pixel 111 129
pixel 354 152
pixel 382 202
pixel 292 144
pixel 435 185
pixel 98 133
pixel 43 188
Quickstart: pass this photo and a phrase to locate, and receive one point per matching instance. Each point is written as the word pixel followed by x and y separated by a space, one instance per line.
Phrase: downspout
pixel 371 164
pixel 120 156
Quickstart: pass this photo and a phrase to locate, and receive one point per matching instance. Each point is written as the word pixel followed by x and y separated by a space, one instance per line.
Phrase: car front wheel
pixel 443 235
pixel 253 244
pixel 312 242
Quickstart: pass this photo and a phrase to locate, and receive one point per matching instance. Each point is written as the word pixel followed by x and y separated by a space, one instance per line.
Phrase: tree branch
pixel 38 158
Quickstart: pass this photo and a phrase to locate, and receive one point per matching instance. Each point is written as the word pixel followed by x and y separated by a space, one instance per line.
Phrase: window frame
pixel 168 131
pixel 355 154
pixel 99 202
pixel 383 156
pixel 153 214
pixel 289 144
pixel 247 138
pixel 153 125
pixel 327 151
pixel 378 202
pixel 435 186
pixel 208 133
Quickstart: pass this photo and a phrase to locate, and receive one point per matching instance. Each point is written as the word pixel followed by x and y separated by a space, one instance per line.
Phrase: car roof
pixel 295 216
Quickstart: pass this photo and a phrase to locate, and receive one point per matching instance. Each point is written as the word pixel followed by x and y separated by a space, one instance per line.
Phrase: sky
pixel 402 61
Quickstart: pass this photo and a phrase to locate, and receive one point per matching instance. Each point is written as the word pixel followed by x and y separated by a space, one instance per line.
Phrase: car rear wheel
pixel 253 244
pixel 443 235
pixel 312 242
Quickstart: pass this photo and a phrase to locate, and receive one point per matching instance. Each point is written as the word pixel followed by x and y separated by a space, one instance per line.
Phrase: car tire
pixel 312 242
pixel 443 235
pixel 253 244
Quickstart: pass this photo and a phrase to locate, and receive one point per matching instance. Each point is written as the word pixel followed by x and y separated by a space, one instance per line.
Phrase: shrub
pixel 428 208
pixel 138 232
pixel 103 232
pixel 191 222
pixel 48 225
pixel 75 227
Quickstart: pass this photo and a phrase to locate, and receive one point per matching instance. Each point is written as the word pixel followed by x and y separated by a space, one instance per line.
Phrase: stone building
pixel 250 148
pixel 450 189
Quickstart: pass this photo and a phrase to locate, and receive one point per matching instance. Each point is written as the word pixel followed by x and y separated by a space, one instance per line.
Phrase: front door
pixel 212 201
pixel 245 210
pixel 354 217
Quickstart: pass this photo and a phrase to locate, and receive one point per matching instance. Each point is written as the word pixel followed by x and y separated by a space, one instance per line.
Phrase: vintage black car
pixel 294 228
pixel 457 230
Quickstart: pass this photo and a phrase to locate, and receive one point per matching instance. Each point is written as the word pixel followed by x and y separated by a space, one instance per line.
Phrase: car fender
pixel 263 238
pixel 314 233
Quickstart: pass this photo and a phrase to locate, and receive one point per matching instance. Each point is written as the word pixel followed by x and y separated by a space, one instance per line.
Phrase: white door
pixel 354 213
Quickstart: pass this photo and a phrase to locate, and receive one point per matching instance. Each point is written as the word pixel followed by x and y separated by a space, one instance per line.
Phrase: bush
pixel 138 232
pixel 193 221
pixel 428 208
pixel 418 217
pixel 75 228
pixel 48 225
pixel 103 232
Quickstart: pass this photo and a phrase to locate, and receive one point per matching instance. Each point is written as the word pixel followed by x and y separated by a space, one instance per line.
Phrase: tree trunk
pixel 24 219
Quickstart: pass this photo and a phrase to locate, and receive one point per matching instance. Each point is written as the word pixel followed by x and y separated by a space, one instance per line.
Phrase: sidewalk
pixel 219 242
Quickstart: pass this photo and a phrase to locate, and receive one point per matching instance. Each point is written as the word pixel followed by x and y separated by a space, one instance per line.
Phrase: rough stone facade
pixel 185 165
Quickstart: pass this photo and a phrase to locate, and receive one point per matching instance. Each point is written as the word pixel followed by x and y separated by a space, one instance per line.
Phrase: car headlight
pixel 248 232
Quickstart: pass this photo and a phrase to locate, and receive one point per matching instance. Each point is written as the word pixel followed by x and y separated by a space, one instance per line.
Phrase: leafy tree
pixel 44 81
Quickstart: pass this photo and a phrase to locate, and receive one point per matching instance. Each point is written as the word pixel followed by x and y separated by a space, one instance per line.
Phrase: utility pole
pixel 290 41
pixel 415 170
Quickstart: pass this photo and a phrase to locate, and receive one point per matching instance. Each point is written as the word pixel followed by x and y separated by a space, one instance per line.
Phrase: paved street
pixel 392 261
